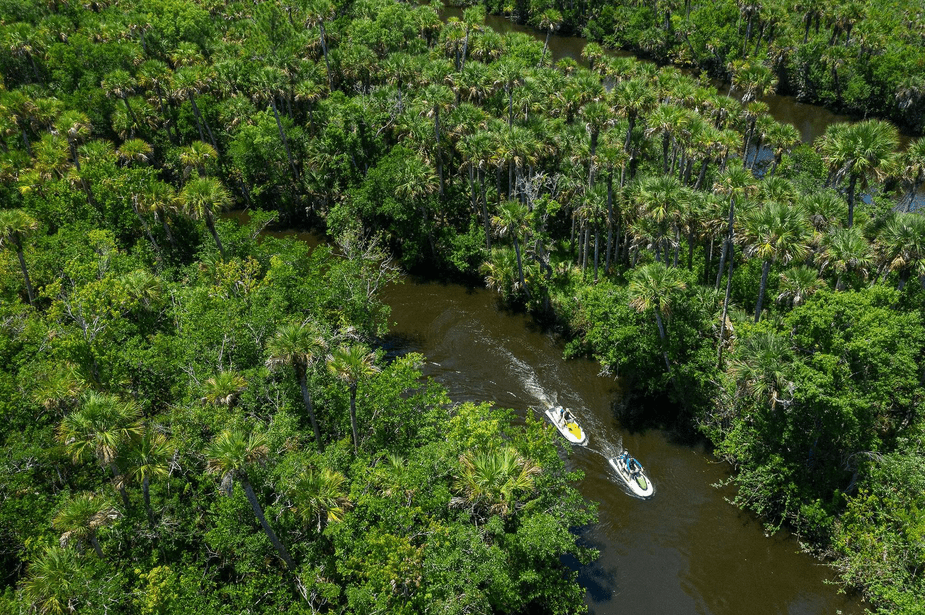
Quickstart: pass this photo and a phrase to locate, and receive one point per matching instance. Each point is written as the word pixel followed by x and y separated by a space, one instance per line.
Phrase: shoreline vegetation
pixel 861 58
pixel 194 417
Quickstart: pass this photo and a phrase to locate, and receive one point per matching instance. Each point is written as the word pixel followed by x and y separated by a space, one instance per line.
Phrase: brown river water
pixel 685 551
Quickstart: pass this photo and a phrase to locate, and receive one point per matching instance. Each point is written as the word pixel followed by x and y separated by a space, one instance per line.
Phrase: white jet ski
pixel 565 422
pixel 631 472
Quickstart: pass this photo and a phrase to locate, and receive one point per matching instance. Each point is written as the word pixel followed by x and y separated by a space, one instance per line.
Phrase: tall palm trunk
pixel 201 121
pixel 145 227
pixel 439 152
pixel 307 400
pixel 96 546
pixel 610 221
pixel 485 221
pixel 520 268
pixel 327 62
pixel 728 243
pixel 25 272
pixel 353 417
pixel 765 268
pixel 146 492
pixel 722 325
pixel 851 188
pixel 131 114
pixel 282 136
pixel 258 511
pixel 115 474
pixel 210 223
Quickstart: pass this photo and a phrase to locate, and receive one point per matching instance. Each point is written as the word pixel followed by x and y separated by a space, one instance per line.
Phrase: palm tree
pixel 500 271
pixel 775 232
pixel 318 497
pixel 229 455
pixel 202 198
pixel 198 155
pixel 762 367
pixel 652 287
pixel 14 225
pixel 187 82
pixel 81 517
pixel 633 98
pixel 400 69
pixel 352 364
pixel 909 168
pixel 798 284
pixel 155 75
pixel 148 458
pixel 101 428
pixel 223 388
pixel 120 84
pixel 59 388
pixel 901 246
pixel 549 21
pixel 493 482
pixel 782 137
pixel 316 13
pixel 298 346
pixel 736 183
pixel 438 98
pixel 76 128
pixel 54 581
pixel 416 180
pixel 269 83
pixel 512 220
pixel 847 251
pixel 856 151
pixel 135 151
pixel 825 209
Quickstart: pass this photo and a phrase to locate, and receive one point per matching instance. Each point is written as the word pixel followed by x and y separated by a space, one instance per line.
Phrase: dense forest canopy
pixel 863 57
pixel 194 415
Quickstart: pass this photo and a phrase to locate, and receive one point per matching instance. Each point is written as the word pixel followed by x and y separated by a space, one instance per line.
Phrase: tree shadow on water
pixel 637 414
pixel 598 579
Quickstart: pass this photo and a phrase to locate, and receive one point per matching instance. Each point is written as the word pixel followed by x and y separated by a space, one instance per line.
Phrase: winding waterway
pixel 687 550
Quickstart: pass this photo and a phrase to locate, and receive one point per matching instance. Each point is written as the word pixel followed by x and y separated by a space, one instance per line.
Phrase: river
pixel 687 550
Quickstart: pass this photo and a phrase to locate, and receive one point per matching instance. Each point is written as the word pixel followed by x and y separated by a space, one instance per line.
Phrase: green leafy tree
pixel 352 364
pixel 229 455
pixel 82 517
pixel 15 224
pixel 299 347
pixel 102 429
pixel 203 198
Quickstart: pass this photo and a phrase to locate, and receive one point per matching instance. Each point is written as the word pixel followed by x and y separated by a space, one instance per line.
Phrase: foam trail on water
pixel 528 377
